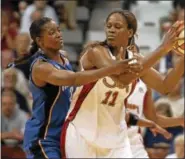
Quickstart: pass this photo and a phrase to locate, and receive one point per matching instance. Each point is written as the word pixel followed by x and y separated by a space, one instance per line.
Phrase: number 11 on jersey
pixel 110 98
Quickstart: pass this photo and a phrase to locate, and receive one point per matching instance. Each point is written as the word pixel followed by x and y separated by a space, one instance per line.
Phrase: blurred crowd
pixel 79 22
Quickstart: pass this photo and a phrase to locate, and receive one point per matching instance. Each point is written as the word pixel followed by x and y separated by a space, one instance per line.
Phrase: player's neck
pixel 119 54
pixel 53 55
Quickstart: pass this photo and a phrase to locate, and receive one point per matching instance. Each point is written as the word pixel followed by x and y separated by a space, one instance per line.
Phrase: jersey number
pixel 110 98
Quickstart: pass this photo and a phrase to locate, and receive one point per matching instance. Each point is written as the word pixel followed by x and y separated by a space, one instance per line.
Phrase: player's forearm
pixel 145 123
pixel 86 77
pixel 174 76
pixel 152 58
pixel 133 119
pixel 5 135
pixel 169 122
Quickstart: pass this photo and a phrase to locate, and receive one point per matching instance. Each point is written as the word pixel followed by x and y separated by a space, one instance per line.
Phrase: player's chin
pixel 111 43
pixel 60 46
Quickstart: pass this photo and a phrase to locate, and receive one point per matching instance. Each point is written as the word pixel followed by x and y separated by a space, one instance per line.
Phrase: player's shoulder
pixel 41 66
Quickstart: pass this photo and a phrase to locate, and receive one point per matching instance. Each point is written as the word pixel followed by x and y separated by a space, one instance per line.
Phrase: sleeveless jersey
pixel 137 98
pixel 96 112
pixel 50 106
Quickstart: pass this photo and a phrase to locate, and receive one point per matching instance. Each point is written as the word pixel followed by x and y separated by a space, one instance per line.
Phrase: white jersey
pixel 99 111
pixel 138 99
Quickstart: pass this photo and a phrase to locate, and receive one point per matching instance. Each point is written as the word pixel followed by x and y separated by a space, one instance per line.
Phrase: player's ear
pixel 130 33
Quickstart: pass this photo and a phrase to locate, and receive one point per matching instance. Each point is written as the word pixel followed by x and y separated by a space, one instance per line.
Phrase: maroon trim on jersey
pixel 132 90
pixel 145 100
pixel 144 107
pixel 83 94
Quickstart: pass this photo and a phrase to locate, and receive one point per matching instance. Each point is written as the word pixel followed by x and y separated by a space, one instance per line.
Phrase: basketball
pixel 179 46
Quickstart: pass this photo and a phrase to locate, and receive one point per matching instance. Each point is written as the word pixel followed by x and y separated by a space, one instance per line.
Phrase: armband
pixel 133 119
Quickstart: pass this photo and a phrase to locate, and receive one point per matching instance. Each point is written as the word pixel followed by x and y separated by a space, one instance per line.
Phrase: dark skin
pixel 117 36
pixel 149 110
pixel 50 41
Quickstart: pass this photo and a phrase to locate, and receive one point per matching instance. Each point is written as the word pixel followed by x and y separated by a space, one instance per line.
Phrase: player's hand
pixel 159 130
pixel 170 38
pixel 125 66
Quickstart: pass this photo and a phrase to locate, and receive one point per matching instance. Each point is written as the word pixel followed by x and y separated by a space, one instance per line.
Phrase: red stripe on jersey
pixel 83 94
pixel 145 100
pixel 132 89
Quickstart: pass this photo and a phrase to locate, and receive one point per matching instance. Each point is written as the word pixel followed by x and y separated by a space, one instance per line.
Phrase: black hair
pixel 35 31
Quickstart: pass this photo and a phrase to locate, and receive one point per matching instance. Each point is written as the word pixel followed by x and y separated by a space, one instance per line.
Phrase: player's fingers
pixel 174 27
pixel 179 29
pixel 165 133
pixel 177 39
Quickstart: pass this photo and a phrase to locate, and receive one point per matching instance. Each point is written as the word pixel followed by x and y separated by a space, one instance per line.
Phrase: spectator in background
pixel 8 31
pixel 175 100
pixel 164 109
pixel 22 84
pixel 13 119
pixel 9 83
pixel 159 150
pixel 42 10
pixel 67 14
pixel 179 147
pixel 22 7
pixel 23 42
pixel 7 57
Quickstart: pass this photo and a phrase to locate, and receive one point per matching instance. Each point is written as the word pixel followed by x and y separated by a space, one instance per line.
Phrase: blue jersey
pixel 50 106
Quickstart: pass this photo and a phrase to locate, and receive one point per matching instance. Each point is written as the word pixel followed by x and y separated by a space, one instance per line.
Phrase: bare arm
pixel 98 57
pixel 11 135
pixel 150 113
pixel 151 125
pixel 46 73
pixel 164 85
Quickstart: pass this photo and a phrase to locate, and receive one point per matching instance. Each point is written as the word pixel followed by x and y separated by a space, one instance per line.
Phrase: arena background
pixel 82 21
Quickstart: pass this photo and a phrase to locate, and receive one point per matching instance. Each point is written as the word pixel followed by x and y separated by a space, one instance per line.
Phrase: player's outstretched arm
pixel 167 44
pixel 150 113
pixel 45 73
pixel 132 119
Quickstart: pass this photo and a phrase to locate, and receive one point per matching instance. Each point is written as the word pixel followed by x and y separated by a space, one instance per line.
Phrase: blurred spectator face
pixel 4 18
pixel 10 78
pixel 22 6
pixel 22 44
pixel 157 152
pixel 8 103
pixel 36 15
pixel 40 4
pixel 164 109
pixel 7 57
pixel 5 23
pixel 161 152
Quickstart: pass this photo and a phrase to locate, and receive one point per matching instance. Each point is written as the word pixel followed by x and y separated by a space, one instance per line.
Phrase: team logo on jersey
pixel 141 90
pixel 115 84
pixel 57 66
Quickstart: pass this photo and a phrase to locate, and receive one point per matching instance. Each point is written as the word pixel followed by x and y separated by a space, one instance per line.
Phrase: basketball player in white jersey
pixel 140 103
pixel 93 125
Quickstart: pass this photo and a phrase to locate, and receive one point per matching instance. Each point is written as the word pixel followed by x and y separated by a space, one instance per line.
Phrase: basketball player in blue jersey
pixel 52 84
